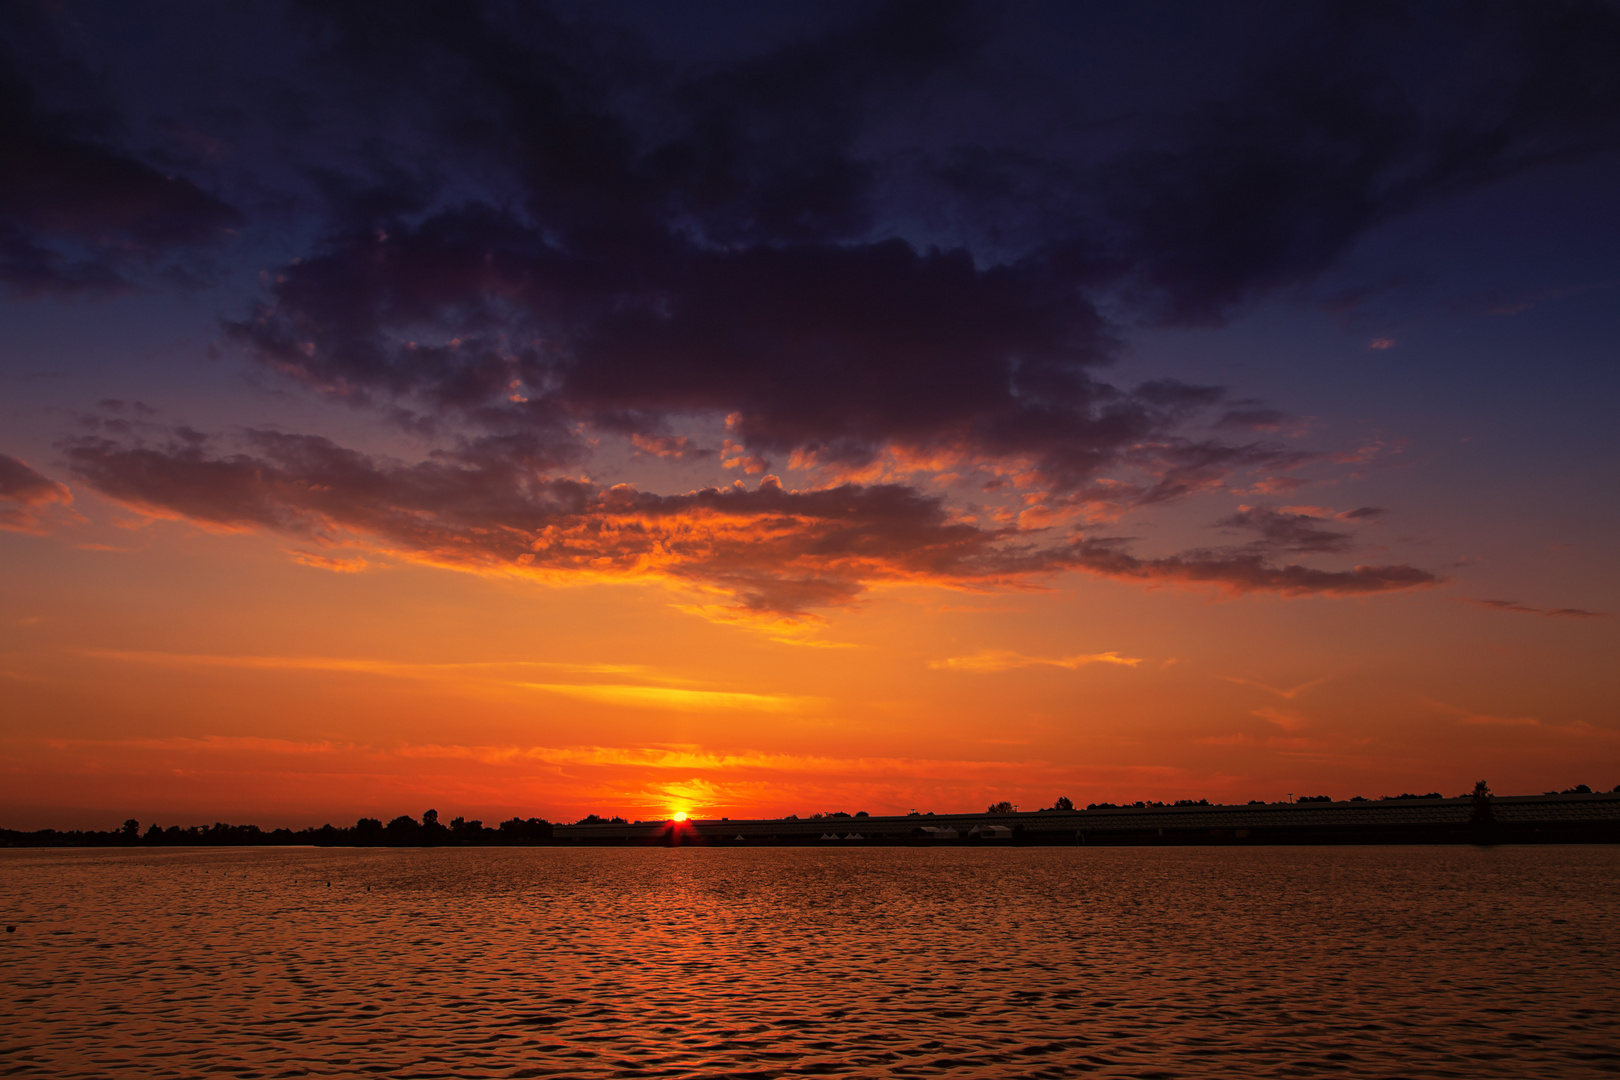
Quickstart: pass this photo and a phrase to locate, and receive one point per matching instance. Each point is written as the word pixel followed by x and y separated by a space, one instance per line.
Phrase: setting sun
pixel 680 815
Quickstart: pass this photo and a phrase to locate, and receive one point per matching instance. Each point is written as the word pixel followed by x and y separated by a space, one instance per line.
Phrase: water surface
pixel 787 962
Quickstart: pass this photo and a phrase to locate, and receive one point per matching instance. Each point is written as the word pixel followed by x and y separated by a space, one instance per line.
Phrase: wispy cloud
pixel 771 554
pixel 634 780
pixel 988 660
pixel 1266 742
pixel 651 691
pixel 29 501
pixel 665 758
pixel 1485 719
pixel 1471 718
pixel 327 562
pixel 394 668
pixel 1548 613
pixel 1290 694
pixel 696 759
pixel 795 629
pixel 1287 719
pixel 213 744
pixel 1479 719
pixel 668 697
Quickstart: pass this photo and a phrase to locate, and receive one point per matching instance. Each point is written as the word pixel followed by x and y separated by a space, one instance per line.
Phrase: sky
pixel 750 410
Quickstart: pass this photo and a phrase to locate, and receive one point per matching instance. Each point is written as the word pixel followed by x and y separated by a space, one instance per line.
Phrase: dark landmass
pixel 1576 815
pixel 403 831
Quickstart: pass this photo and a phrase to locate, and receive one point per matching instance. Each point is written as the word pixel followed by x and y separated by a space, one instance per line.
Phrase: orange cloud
pixel 1287 719
pixel 502 672
pixel 1499 721
pixel 1289 694
pixel 795 629
pixel 212 744
pixel 651 692
pixel 1267 742
pixel 735 455
pixel 28 500
pixel 675 698
pixel 675 447
pixel 989 660
pixel 326 562
pixel 1471 718
pixel 1479 719
pixel 771 551
pixel 1278 485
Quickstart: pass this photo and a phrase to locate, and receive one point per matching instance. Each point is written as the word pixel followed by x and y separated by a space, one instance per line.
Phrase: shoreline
pixel 1567 818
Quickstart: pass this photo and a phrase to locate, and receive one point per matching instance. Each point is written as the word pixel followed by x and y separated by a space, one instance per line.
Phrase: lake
pixel 788 962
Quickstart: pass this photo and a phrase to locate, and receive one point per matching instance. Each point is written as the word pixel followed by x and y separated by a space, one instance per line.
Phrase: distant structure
pixel 1569 817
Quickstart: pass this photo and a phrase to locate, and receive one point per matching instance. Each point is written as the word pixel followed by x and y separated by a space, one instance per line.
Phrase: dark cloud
pixel 1248 572
pixel 1550 613
pixel 27 497
pixel 1348 125
pixel 836 351
pixel 624 144
pixel 613 142
pixel 1185 468
pixel 770 550
pixel 117 407
pixel 847 245
pixel 1256 419
pixel 1282 530
pixel 20 483
pixel 676 447
pixel 76 213
pixel 724 265
pixel 680 241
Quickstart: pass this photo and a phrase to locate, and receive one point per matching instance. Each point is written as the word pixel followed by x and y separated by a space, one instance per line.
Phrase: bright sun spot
pixel 680 815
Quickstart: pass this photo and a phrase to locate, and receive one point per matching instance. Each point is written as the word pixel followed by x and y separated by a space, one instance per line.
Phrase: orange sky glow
pixel 182 673
pixel 780 409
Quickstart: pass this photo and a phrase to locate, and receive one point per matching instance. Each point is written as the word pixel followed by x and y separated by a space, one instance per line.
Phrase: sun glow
pixel 680 815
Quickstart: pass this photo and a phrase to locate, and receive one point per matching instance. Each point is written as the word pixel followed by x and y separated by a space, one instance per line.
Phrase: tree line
pixel 429 831
pixel 402 831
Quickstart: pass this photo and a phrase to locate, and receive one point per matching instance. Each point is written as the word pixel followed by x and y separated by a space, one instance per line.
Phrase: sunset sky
pixel 751 409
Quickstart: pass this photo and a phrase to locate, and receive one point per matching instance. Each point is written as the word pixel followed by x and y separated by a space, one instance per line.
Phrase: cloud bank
pixel 771 550
pixel 881 252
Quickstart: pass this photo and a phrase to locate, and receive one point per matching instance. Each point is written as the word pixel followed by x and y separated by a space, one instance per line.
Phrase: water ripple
pixel 776 963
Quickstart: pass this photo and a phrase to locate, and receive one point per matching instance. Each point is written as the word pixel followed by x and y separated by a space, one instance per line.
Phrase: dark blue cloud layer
pixel 887 229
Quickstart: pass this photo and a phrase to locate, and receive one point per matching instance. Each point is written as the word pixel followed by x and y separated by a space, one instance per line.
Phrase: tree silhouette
pixel 1482 818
